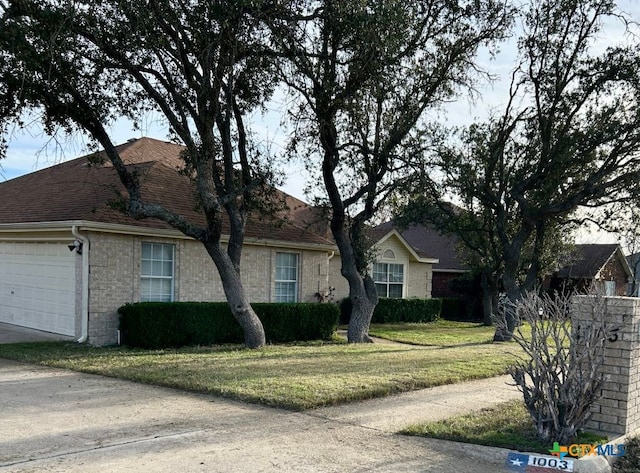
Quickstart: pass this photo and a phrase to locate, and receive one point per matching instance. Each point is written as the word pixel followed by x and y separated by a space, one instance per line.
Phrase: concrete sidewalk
pixel 63 421
pixel 393 413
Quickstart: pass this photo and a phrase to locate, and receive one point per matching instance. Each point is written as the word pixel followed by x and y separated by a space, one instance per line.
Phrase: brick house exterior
pixel 601 265
pixel 427 241
pixel 392 250
pixel 69 259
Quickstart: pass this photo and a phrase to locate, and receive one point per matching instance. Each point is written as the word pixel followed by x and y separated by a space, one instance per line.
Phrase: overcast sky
pixel 30 150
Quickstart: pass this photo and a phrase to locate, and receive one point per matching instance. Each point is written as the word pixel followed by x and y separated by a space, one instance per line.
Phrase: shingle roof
pixel 428 242
pixel 80 190
pixel 586 260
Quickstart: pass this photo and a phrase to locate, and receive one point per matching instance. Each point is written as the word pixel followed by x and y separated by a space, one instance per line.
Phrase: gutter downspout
pixel 330 256
pixel 84 319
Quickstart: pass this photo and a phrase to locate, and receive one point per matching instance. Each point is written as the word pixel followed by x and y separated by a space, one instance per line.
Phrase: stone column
pixel 618 411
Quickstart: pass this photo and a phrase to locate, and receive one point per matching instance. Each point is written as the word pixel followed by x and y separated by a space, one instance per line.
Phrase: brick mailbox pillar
pixel 618 411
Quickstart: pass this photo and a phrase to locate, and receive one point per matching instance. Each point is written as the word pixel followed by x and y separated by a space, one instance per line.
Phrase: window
pixel 156 272
pixel 609 288
pixel 389 279
pixel 389 254
pixel 286 277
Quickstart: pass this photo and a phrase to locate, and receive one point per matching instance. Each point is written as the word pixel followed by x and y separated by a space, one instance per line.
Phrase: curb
pixel 497 456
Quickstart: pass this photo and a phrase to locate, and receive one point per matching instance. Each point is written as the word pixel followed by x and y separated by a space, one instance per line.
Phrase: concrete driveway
pixel 16 334
pixel 61 421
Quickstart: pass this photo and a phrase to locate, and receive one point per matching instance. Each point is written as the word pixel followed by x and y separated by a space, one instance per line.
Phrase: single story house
pixel 69 258
pixel 587 265
pixel 426 240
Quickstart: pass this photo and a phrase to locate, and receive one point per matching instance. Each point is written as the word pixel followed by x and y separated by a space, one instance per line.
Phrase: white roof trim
pixel 623 261
pixel 83 225
pixel 405 243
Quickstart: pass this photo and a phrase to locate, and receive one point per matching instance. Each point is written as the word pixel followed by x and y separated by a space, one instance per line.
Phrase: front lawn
pixel 438 333
pixel 507 425
pixel 290 376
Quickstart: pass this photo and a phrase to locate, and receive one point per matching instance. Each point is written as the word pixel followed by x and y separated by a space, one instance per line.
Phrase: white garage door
pixel 38 286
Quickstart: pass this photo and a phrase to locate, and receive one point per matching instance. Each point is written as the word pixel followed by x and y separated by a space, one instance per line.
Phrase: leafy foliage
pixel 459 309
pixel 176 324
pixel 569 136
pixel 200 66
pixel 389 311
pixel 364 76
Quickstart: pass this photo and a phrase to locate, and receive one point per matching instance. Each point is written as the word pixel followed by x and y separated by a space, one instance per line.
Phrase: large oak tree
pixel 83 64
pixel 364 76
pixel 568 137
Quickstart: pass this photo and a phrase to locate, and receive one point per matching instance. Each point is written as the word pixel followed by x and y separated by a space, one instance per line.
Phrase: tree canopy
pixel 364 76
pixel 569 136
pixel 201 65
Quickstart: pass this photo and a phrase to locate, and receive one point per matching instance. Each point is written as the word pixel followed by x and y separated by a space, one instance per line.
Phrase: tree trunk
pixel 241 309
pixel 361 310
pixel 488 293
pixel 506 326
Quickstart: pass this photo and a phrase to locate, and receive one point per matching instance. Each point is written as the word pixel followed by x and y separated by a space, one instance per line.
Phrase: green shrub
pixel 175 324
pixel 454 309
pixel 389 311
pixel 297 322
pixel 630 462
pixel 345 310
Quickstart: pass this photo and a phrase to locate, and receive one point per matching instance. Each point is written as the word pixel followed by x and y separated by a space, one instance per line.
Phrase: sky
pixel 30 149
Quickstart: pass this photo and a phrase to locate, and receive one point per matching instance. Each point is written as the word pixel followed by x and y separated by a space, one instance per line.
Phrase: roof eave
pixel 410 249
pixel 85 225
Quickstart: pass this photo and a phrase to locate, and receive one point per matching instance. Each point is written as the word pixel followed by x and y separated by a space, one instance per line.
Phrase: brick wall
pixel 114 277
pixel 442 284
pixel 336 280
pixel 419 280
pixel 618 411
pixel 614 271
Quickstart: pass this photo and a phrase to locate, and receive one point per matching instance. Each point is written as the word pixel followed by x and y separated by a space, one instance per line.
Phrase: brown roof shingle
pixel 80 189
pixel 428 242
pixel 585 260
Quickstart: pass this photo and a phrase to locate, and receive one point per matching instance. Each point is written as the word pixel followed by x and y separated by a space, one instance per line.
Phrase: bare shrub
pixel 559 373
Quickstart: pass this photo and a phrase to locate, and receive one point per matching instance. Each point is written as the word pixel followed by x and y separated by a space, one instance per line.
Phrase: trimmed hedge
pixel 462 310
pixel 176 324
pixel 454 309
pixel 390 311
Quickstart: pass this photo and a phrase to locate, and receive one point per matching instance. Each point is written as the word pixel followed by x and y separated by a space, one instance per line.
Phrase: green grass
pixel 630 462
pixel 438 333
pixel 291 376
pixel 507 425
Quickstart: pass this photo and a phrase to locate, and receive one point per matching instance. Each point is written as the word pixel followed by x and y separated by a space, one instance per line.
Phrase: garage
pixel 38 286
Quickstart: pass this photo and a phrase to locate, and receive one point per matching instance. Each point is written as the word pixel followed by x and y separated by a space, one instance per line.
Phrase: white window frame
pixel 157 297
pixel 609 288
pixel 387 283
pixel 280 282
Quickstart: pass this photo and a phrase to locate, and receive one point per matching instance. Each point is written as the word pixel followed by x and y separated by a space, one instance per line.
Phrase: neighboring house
pixel 602 266
pixel 634 285
pixel 69 258
pixel 429 241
